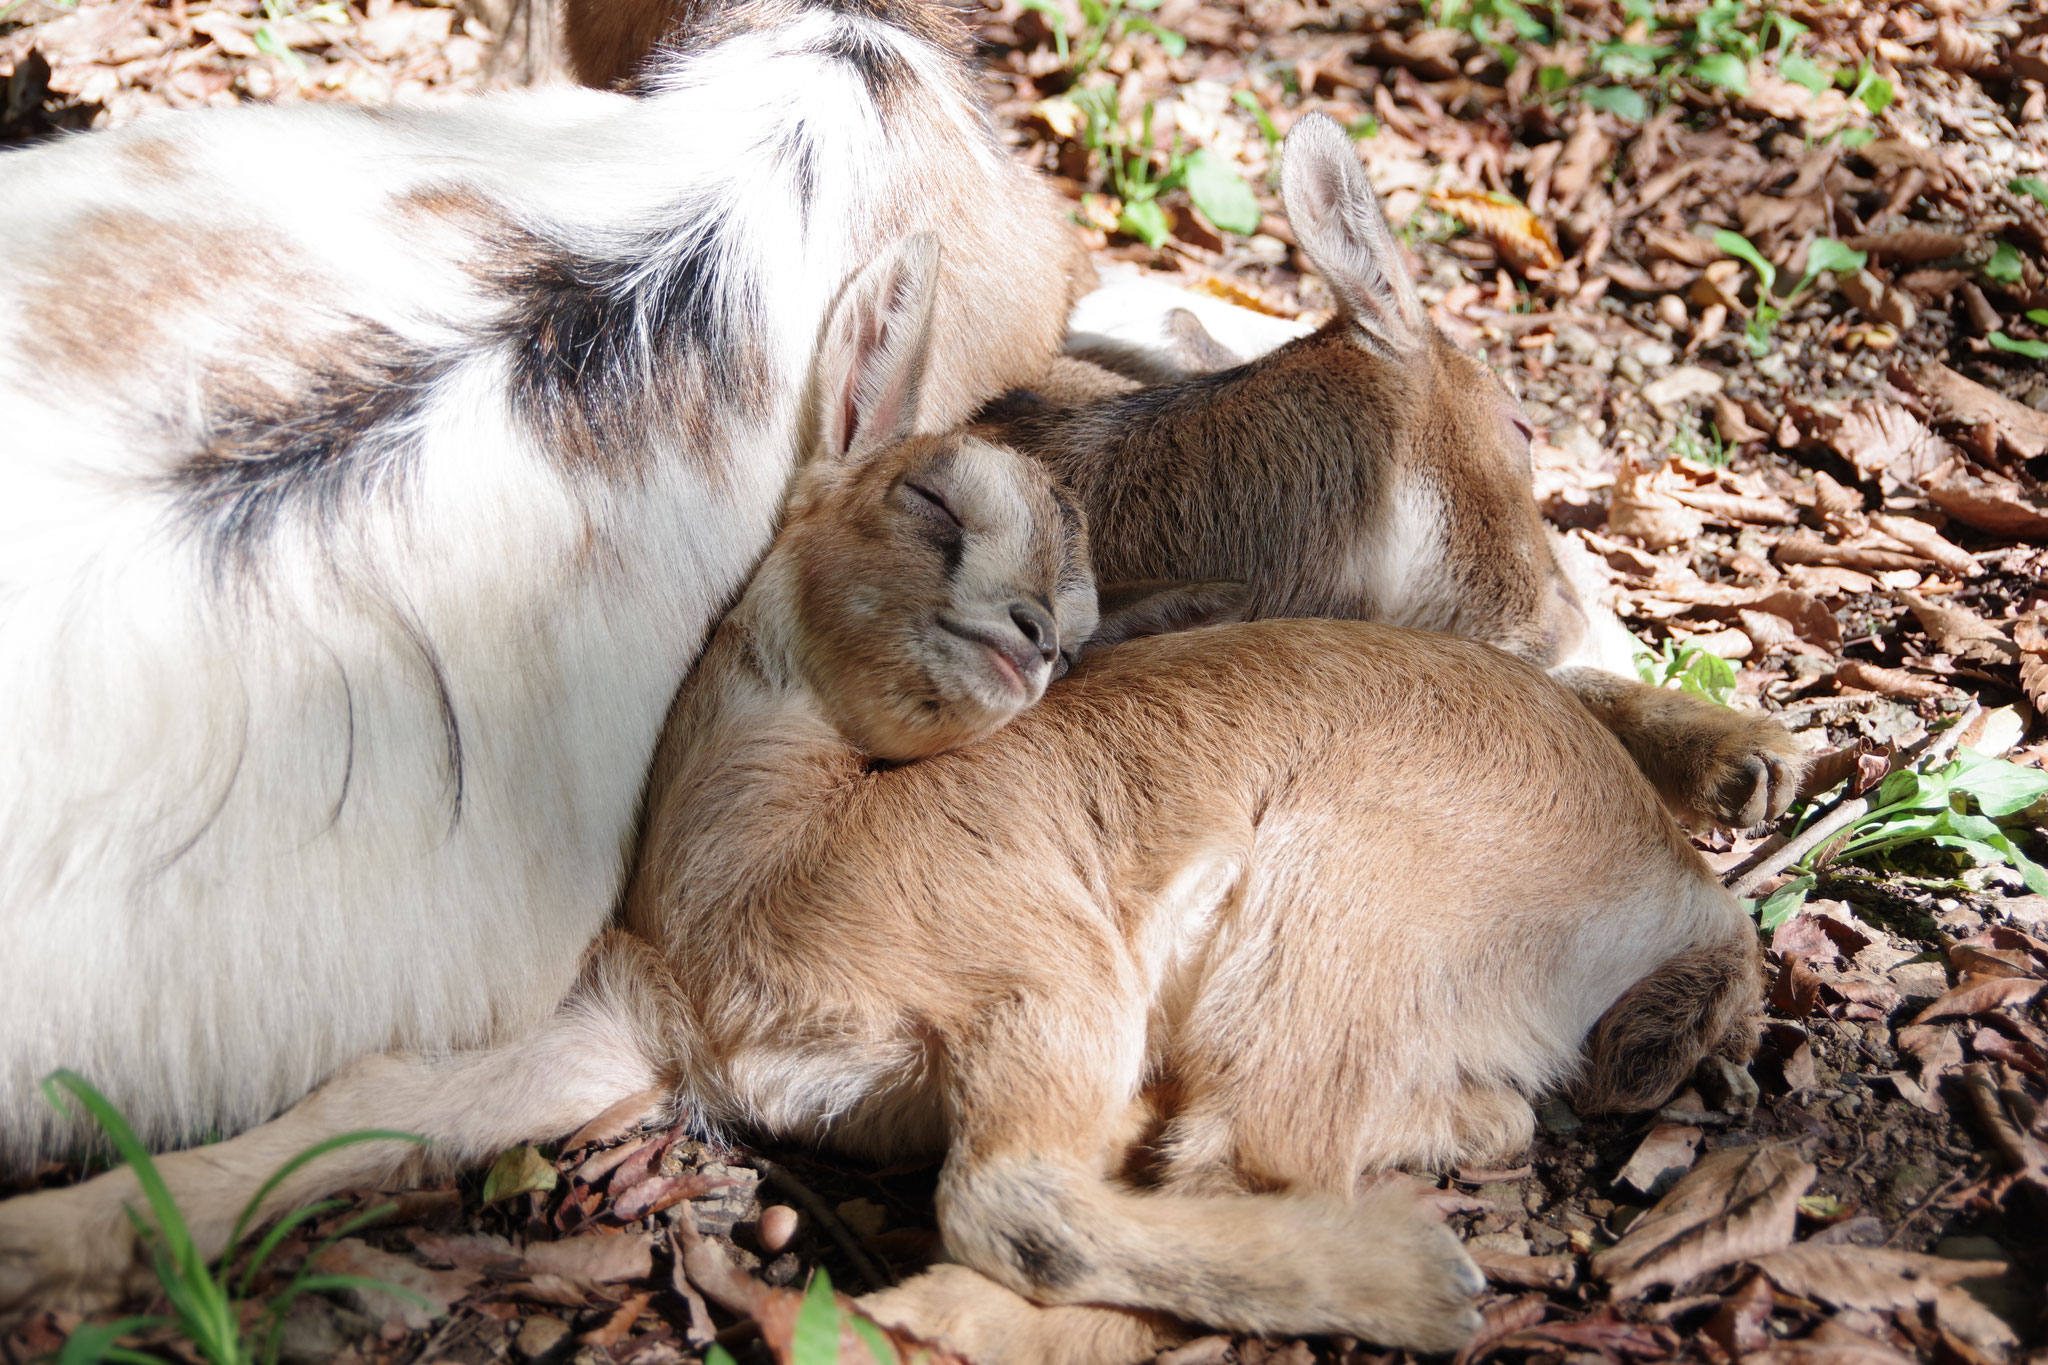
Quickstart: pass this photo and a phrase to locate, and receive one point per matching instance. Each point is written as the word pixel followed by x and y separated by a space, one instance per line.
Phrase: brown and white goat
pixel 1259 907
pixel 1370 470
pixel 369 479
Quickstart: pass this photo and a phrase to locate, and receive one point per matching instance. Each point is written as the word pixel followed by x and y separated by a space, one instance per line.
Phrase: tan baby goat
pixel 1369 470
pixel 1200 897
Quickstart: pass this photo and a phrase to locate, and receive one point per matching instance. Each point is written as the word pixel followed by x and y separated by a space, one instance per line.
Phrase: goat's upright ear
pixel 872 361
pixel 1155 606
pixel 1344 233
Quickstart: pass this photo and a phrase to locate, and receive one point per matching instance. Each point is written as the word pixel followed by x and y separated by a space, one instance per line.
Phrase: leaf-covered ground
pixel 1835 486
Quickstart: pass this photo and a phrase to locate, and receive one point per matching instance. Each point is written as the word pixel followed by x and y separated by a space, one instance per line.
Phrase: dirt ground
pixel 1844 501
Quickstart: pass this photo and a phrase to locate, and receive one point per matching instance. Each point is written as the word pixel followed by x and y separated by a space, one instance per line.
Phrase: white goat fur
pixel 311 751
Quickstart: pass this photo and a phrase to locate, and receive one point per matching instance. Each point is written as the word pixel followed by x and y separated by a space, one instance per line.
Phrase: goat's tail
pixel 1702 1002
pixel 1375 1268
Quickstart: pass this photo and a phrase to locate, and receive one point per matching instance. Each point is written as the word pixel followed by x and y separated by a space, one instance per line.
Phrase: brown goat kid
pixel 1369 471
pixel 1197 905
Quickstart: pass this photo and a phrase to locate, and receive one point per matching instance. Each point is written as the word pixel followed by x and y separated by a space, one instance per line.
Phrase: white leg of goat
pixel 76 1244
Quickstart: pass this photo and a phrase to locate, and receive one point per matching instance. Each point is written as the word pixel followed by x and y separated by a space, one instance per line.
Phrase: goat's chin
pixel 910 730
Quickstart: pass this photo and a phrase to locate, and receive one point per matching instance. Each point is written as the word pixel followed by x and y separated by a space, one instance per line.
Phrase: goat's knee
pixel 1018 1222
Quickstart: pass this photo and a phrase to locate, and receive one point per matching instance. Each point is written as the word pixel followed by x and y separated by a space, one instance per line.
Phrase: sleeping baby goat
pixel 1197 901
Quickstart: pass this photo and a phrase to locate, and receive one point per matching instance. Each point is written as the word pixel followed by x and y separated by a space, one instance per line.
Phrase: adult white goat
pixel 371 477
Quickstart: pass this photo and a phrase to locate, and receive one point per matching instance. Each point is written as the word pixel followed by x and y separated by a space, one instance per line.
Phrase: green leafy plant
pixel 2034 350
pixel 1865 85
pixel 204 1297
pixel 1622 101
pixel 1823 254
pixel 269 41
pixel 1917 806
pixel 1704 446
pixel 2006 264
pixel 1688 668
pixel 1716 46
pixel 1104 23
pixel 2031 186
pixel 1497 25
pixel 2037 316
pixel 1128 166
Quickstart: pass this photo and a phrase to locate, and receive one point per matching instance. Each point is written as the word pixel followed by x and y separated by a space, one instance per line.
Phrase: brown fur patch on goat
pixel 1700 1003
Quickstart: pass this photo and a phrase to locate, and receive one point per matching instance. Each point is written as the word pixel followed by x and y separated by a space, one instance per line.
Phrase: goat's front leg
pixel 1711 765
pixel 1041 1090
pixel 75 1247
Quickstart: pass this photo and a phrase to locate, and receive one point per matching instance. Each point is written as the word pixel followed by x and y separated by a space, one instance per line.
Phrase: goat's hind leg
pixel 74 1246
pixel 1039 1104
pixel 1711 764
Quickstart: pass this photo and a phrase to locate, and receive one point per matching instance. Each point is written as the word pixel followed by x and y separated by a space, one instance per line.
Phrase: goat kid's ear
pixel 1160 607
pixel 872 362
pixel 1344 233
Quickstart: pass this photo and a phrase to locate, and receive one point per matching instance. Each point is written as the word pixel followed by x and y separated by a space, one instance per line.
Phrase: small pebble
pixel 777 1227
pixel 539 1336
pixel 1654 355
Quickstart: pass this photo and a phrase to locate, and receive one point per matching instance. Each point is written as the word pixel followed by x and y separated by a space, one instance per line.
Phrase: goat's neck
pixel 749 761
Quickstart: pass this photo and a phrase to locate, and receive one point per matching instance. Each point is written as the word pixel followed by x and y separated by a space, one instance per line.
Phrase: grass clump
pixel 206 1298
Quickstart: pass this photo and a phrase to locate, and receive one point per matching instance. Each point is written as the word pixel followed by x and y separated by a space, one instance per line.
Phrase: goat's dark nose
pixel 1035 624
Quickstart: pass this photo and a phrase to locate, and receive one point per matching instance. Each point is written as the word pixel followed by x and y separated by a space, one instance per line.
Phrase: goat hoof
pixel 1755 774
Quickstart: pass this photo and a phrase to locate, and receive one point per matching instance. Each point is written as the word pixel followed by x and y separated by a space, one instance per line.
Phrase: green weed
pixel 1823 254
pixel 270 42
pixel 1104 23
pixel 1915 807
pixel 1128 166
pixel 2006 265
pixel 2035 189
pixel 1688 668
pixel 2033 350
pixel 1702 447
pixel 819 1321
pixel 1716 45
pixel 205 1299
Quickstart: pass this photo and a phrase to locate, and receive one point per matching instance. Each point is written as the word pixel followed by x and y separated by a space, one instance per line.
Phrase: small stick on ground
pixel 1763 865
pixel 842 1236
pixel 1954 1177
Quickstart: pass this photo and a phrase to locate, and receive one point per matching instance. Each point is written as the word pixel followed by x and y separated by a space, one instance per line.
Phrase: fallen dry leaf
pixel 1882 439
pixel 1979 994
pixel 1523 239
pixel 1735 1205
pixel 1666 1152
pixel 1891 682
pixel 662 1192
pixel 774 1311
pixel 1645 510
pixel 1861 1351
pixel 1960 631
pixel 1525 1272
pixel 441 1289
pixel 1868 1277
pixel 1953 398
pixel 1990 503
pixel 1866 554
pixel 2030 635
pixel 1923 539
